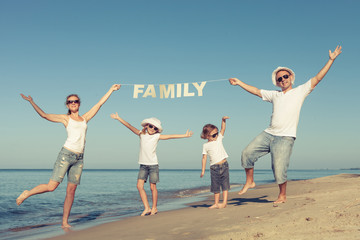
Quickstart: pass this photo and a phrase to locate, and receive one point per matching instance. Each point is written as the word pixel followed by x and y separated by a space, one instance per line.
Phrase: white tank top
pixel 76 135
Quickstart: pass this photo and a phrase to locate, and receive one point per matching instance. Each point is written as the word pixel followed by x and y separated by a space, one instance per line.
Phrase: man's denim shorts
pixel 149 170
pixel 70 163
pixel 280 148
pixel 220 177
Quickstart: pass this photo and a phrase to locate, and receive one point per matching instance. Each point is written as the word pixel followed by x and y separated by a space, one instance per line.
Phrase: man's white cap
pixel 278 69
pixel 153 121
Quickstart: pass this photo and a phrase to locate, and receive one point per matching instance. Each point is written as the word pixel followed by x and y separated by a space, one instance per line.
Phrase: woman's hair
pixel 67 98
pixel 207 130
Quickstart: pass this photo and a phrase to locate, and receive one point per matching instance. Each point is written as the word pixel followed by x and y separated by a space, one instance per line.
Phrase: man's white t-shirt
pixel 286 109
pixel 215 150
pixel 148 144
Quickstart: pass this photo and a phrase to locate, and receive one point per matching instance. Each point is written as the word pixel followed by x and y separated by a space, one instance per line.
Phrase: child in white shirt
pixel 219 167
pixel 149 166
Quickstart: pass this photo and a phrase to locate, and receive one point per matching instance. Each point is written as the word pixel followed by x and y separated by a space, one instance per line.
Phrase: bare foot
pixel 215 206
pixel 153 211
pixel 280 200
pixel 246 187
pixel 22 197
pixel 66 225
pixel 146 212
pixel 223 205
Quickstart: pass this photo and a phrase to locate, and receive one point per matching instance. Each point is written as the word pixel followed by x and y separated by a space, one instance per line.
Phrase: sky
pixel 50 49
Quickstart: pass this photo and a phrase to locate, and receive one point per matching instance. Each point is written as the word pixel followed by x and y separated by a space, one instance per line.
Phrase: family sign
pixel 169 90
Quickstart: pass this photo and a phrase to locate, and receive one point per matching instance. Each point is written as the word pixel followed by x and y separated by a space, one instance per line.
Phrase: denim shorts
pixel 220 177
pixel 151 171
pixel 70 163
pixel 280 148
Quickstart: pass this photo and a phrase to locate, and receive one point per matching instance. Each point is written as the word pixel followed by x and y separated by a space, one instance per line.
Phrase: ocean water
pixel 107 195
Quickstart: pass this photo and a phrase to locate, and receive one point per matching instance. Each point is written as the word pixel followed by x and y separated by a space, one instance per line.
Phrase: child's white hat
pixel 153 121
pixel 278 69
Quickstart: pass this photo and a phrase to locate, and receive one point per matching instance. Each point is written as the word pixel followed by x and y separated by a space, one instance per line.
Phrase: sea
pixel 106 195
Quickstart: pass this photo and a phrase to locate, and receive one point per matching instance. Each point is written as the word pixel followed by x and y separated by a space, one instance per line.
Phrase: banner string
pixel 132 84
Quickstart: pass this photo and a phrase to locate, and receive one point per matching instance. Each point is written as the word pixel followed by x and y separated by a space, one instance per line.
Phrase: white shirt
pixel 286 109
pixel 76 135
pixel 215 150
pixel 148 144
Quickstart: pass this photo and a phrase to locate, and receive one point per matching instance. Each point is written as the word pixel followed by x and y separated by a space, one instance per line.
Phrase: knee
pixel 52 187
pixel 71 190
pixel 153 187
pixel 280 176
pixel 140 186
pixel 245 155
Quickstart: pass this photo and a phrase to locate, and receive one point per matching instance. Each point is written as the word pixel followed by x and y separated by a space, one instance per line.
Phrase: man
pixel 278 139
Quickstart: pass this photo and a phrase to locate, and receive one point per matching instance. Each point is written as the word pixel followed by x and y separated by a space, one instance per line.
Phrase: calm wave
pixel 107 195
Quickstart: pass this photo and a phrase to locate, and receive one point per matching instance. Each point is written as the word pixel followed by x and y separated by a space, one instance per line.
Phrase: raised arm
pixel 332 56
pixel 223 125
pixel 125 123
pixel 203 165
pixel 173 136
pixel 246 87
pixel 92 112
pixel 61 118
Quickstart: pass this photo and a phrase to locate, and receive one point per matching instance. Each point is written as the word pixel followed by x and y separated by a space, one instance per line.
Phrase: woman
pixel 70 158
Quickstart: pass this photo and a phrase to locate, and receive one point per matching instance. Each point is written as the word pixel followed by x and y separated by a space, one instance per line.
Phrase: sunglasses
pixel 151 126
pixel 72 101
pixel 281 78
pixel 214 135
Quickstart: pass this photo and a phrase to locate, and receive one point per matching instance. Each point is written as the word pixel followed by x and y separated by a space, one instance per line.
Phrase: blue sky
pixel 50 49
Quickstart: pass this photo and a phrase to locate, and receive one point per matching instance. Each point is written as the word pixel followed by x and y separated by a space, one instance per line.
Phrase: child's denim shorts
pixel 149 170
pixel 220 179
pixel 70 163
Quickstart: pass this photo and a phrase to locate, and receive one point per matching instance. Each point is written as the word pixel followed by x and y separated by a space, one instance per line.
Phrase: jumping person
pixel 70 158
pixel 278 139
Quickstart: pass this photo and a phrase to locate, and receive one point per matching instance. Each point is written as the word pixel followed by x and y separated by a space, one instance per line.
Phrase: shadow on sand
pixel 235 202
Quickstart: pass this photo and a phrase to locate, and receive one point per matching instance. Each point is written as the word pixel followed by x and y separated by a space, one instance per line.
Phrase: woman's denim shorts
pixel 70 163
pixel 151 171
pixel 220 177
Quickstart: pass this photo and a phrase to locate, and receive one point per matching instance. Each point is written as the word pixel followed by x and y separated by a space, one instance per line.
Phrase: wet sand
pixel 324 208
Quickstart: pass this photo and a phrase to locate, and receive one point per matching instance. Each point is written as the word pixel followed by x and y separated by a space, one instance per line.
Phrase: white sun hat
pixel 153 121
pixel 278 69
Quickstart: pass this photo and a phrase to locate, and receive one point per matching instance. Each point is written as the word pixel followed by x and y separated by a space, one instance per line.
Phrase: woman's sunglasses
pixel 214 135
pixel 281 78
pixel 151 126
pixel 72 101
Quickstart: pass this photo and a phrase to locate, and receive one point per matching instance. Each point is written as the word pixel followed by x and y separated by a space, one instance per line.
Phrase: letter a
pixel 150 91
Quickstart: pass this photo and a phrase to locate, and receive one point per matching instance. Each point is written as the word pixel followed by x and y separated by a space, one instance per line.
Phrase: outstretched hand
pixel 115 87
pixel 29 98
pixel 234 81
pixel 333 55
pixel 188 133
pixel 225 117
pixel 115 116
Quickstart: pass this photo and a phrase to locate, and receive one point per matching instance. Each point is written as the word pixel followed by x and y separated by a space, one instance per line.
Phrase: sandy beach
pixel 323 208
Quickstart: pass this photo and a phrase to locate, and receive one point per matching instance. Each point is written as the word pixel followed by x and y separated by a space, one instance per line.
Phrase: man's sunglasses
pixel 72 101
pixel 151 126
pixel 281 78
